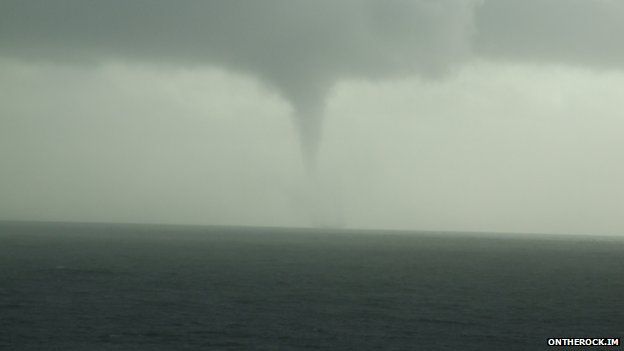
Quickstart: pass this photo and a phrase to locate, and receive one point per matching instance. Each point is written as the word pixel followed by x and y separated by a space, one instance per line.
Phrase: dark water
pixel 120 287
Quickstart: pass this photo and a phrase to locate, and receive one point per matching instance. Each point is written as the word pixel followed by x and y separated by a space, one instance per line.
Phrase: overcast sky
pixel 494 115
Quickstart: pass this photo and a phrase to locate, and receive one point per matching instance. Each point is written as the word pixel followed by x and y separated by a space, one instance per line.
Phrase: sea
pixel 78 286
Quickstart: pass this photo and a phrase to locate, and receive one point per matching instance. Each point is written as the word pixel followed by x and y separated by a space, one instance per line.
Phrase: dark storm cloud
pixel 577 32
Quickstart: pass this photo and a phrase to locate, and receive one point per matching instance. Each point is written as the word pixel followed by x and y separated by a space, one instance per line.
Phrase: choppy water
pixel 120 287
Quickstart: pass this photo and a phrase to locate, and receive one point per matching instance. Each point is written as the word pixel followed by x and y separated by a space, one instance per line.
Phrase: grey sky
pixel 464 115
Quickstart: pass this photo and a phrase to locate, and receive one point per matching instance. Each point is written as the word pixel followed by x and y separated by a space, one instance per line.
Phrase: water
pixel 131 287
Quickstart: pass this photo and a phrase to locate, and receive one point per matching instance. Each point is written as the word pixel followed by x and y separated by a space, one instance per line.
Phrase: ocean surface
pixel 147 287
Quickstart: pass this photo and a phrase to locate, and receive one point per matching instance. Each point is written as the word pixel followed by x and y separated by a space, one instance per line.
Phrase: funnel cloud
pixel 301 48
pixel 298 47
pixel 538 59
